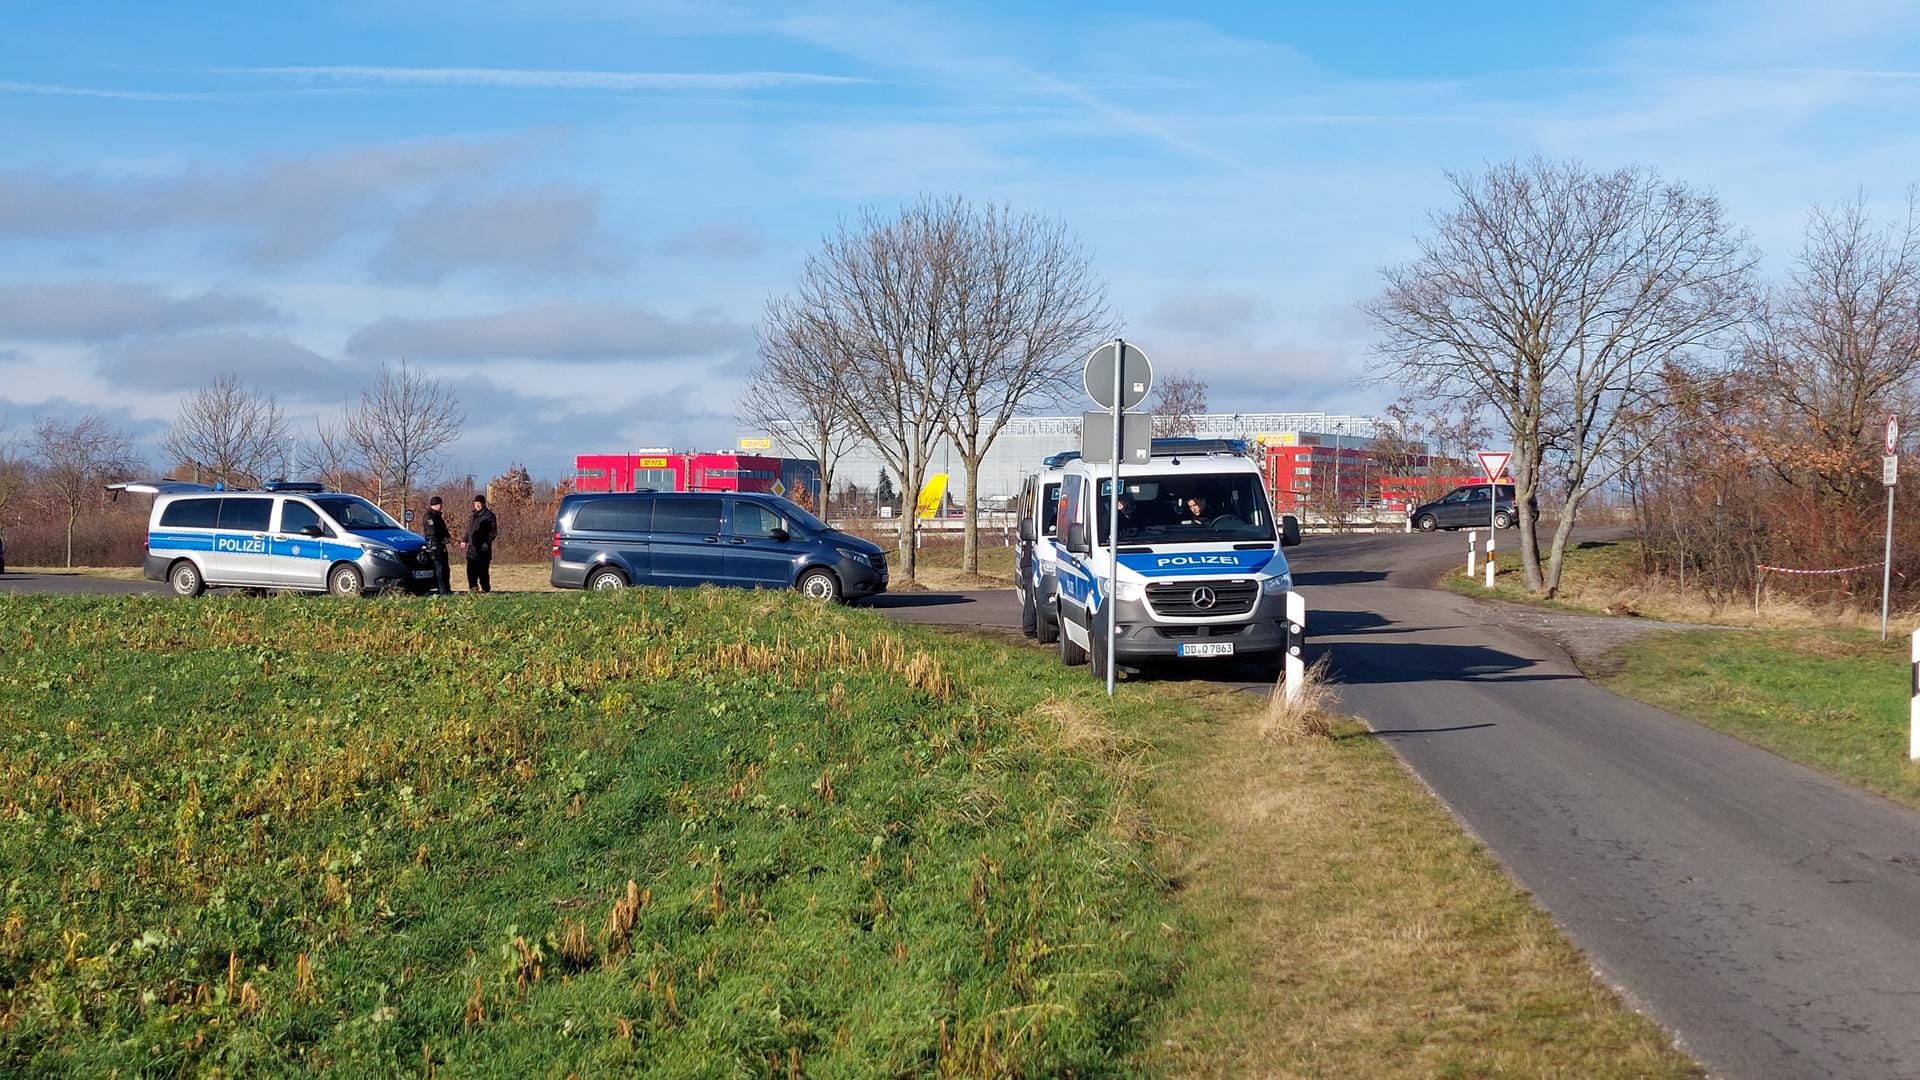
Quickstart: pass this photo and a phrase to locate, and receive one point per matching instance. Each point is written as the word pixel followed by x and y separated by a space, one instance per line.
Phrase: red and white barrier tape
pixel 1842 570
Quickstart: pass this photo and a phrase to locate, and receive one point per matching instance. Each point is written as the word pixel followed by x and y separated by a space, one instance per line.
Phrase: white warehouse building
pixel 1027 440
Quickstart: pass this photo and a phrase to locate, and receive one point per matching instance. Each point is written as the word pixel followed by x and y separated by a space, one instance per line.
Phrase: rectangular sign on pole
pixel 1096 438
pixel 1890 469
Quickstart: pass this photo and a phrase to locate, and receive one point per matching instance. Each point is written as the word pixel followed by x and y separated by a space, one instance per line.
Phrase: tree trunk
pixel 73 514
pixel 1526 488
pixel 970 536
pixel 912 479
pixel 1559 554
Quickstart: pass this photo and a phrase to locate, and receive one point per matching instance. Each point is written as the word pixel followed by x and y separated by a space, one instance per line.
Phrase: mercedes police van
pixel 1201 570
pixel 1034 555
pixel 294 536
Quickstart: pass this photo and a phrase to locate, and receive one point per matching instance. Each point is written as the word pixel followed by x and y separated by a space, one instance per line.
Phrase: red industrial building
pixel 671 470
pixel 1298 474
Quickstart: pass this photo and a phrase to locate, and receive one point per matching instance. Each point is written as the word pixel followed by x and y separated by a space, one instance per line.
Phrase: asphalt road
pixel 73 585
pixel 1767 914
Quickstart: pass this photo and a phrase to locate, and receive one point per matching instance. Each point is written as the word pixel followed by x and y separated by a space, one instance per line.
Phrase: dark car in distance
pixel 611 541
pixel 1469 506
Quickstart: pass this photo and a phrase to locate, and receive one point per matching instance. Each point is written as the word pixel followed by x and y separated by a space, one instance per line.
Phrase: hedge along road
pixel 1760 910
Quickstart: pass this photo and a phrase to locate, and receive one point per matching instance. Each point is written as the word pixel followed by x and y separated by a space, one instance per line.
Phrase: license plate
pixel 423 573
pixel 1206 648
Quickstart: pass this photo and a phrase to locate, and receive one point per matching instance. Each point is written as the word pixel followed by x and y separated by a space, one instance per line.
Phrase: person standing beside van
pixel 482 527
pixel 437 536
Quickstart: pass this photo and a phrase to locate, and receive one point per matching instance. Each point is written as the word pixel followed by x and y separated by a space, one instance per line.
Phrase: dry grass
pixel 1305 714
pixel 116 573
pixel 1603 578
pixel 1345 926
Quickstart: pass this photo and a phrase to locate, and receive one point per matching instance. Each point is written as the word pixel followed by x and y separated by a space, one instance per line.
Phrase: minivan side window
pixel 1050 500
pixel 191 514
pixel 245 515
pixel 700 517
pixel 614 515
pixel 295 515
pixel 755 522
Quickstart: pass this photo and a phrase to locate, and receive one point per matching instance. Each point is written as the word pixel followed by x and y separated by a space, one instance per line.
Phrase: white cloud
pixel 50 90
pixel 105 310
pixel 568 331
pixel 522 79
pixel 270 363
pixel 545 233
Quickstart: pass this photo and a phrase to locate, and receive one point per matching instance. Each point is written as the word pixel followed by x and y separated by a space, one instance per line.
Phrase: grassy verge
pixel 718 833
pixel 697 833
pixel 1832 699
pixel 1598 575
pixel 1344 926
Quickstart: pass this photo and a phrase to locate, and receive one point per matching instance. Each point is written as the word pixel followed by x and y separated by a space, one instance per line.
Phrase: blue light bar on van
pixel 294 485
pixel 1054 461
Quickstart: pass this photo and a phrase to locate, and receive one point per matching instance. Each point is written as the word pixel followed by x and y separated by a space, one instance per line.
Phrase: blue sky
pixel 574 211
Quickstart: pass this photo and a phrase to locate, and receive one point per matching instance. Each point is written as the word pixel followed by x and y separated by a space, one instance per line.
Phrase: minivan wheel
pixel 1427 523
pixel 606 579
pixel 821 585
pixel 1029 618
pixel 1503 520
pixel 185 579
pixel 346 581
pixel 1070 654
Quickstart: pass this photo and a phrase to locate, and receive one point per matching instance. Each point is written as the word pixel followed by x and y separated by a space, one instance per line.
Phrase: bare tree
pixel 229 432
pixel 75 458
pixel 1026 308
pixel 1838 347
pixel 1177 399
pixel 402 424
pixel 1564 298
pixel 882 295
pixel 327 456
pixel 798 394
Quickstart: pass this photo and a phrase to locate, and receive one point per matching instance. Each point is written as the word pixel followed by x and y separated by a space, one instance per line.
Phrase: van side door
pixel 760 546
pixel 299 558
pixel 240 548
pixel 685 544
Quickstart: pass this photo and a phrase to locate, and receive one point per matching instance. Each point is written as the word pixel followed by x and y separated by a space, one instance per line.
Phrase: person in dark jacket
pixel 437 536
pixel 481 529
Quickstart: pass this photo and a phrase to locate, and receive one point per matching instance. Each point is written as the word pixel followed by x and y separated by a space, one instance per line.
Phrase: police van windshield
pixel 355 514
pixel 1188 509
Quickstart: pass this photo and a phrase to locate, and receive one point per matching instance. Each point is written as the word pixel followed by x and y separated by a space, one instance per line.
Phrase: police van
pixel 1201 567
pixel 1035 553
pixel 294 536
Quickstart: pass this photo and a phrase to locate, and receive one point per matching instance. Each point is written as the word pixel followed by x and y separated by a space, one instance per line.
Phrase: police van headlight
pixel 1274 585
pixel 384 554
pixel 1130 591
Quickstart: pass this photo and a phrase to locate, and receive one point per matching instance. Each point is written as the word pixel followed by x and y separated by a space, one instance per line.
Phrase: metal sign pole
pixel 1890 474
pixel 1113 508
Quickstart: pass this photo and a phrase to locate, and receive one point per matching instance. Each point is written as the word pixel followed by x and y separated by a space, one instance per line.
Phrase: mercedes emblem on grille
pixel 1203 597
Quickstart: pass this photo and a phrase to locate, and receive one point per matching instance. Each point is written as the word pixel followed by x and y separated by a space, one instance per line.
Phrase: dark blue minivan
pixel 692 538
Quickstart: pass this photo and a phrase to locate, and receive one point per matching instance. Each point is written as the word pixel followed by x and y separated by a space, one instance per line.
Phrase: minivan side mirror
pixel 1289 531
pixel 779 536
pixel 314 531
pixel 1026 529
pixel 1077 539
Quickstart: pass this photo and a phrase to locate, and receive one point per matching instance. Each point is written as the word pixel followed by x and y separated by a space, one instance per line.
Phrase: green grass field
pixel 711 834
pixel 1833 699
pixel 720 834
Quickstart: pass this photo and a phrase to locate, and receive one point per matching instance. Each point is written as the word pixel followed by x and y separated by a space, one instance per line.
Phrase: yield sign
pixel 1493 463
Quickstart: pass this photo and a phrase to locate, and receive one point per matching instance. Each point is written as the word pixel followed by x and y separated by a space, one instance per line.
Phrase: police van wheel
pixel 1099 656
pixel 346 581
pixel 1046 628
pixel 1070 654
pixel 185 579
pixel 819 585
pixel 1029 618
pixel 606 579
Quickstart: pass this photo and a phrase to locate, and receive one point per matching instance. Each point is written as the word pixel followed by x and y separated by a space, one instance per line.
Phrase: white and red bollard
pixel 1473 551
pixel 1490 570
pixel 1296 644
